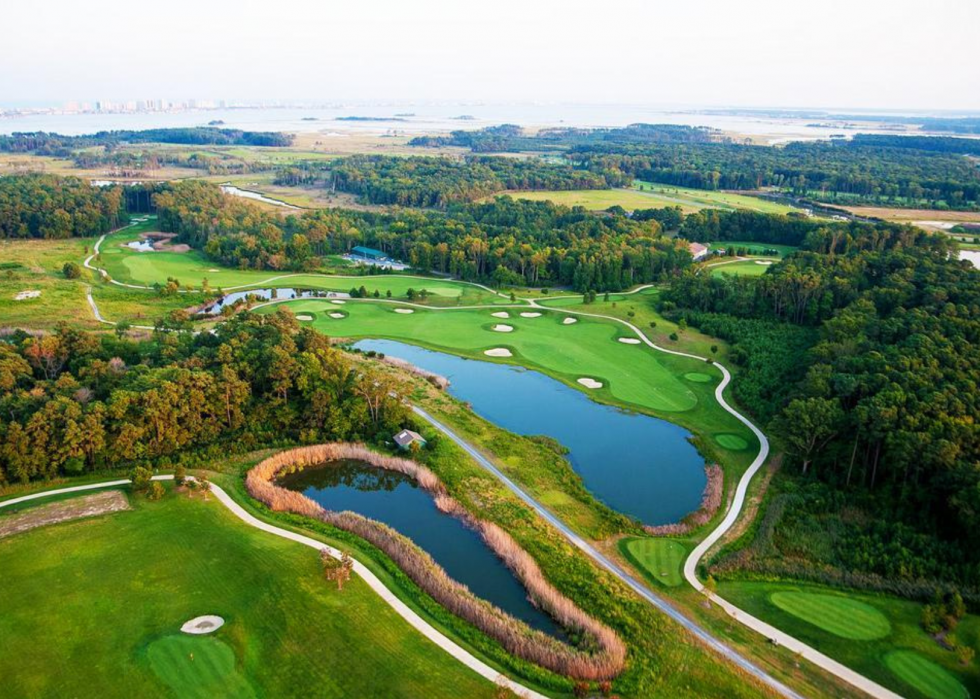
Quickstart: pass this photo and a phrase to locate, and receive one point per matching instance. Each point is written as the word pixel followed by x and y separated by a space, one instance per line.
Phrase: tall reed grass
pixel 602 657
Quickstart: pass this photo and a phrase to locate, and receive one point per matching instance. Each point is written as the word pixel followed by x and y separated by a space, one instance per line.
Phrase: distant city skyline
pixel 877 54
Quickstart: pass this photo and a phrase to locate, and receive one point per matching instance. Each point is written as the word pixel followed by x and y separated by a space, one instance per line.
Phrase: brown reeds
pixel 604 662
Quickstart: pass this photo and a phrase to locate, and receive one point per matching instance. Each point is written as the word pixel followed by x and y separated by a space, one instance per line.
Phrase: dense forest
pixel 47 206
pixel 73 402
pixel 861 358
pixel 504 241
pixel 844 172
pixel 440 181
pixel 893 170
pixel 512 138
pixel 42 143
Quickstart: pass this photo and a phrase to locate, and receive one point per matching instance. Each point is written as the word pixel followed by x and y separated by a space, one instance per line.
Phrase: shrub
pixel 71 270
pixel 156 490
pixel 180 475
pixel 673 336
pixel 141 478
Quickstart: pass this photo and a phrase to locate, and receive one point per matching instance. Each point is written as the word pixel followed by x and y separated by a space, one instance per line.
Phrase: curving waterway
pixel 636 464
pixel 398 501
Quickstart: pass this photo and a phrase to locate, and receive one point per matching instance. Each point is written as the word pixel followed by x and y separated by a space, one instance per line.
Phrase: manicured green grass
pixel 698 377
pixel 840 615
pixel 192 268
pixel 661 559
pixel 746 268
pixel 630 373
pixel 197 666
pixel 869 657
pixel 85 603
pixel 672 195
pixel 927 677
pixel 732 441
pixel 752 248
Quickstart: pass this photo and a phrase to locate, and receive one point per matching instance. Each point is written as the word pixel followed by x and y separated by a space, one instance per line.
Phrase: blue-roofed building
pixel 368 253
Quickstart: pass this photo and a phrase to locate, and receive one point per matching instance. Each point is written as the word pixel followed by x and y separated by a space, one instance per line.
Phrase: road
pixel 403 610
pixel 609 565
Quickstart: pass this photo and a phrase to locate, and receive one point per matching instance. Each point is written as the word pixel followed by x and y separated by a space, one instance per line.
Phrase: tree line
pixel 436 182
pixel 47 206
pixel 73 402
pixel 504 241
pixel 861 360
pixel 57 145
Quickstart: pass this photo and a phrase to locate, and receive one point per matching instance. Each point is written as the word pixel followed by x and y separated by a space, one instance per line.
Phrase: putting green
pixel 836 614
pixel 926 676
pixel 697 377
pixel 586 348
pixel 197 667
pixel 732 442
pixel 661 558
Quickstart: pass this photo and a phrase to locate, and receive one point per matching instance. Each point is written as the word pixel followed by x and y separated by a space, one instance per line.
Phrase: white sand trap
pixel 501 328
pixel 590 383
pixel 29 294
pixel 629 340
pixel 763 262
pixel 569 321
pixel 404 310
pixel 304 317
pixel 498 352
pixel 501 314
pixel 339 303
pixel 203 624
pixel 337 316
pixel 530 315
pixel 214 270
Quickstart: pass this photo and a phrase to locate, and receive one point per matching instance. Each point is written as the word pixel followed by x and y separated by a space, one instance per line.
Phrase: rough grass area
pixel 661 559
pixel 840 615
pixel 197 667
pixel 924 675
pixel 84 601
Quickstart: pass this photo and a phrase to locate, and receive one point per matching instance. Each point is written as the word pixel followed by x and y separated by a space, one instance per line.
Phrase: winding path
pixel 402 609
pixel 772 633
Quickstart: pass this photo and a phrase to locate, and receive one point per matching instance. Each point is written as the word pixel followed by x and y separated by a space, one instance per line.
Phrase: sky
pixel 862 54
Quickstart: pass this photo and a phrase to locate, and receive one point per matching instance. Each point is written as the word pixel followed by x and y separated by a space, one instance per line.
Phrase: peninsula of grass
pixel 105 592
pixel 758 249
pixel 660 560
pixel 847 626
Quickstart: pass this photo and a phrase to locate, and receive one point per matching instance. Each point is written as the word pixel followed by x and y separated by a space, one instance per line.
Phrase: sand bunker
pixel 498 352
pixel 501 314
pixel 214 270
pixel 304 317
pixel 339 303
pixel 337 316
pixel 763 262
pixel 29 294
pixel 629 340
pixel 404 310
pixel 203 624
pixel 530 315
pixel 569 321
pixel 501 328
pixel 590 383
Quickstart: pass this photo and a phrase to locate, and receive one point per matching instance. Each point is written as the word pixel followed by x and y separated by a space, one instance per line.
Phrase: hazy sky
pixel 835 53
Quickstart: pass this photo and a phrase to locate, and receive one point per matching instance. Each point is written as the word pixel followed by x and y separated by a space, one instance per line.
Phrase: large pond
pixel 398 501
pixel 636 464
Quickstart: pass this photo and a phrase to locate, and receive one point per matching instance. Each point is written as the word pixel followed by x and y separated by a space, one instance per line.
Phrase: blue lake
pixel 398 501
pixel 636 464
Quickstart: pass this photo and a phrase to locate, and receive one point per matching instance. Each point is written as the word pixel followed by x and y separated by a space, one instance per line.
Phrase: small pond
pixel 636 464
pixel 398 501
pixel 268 295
